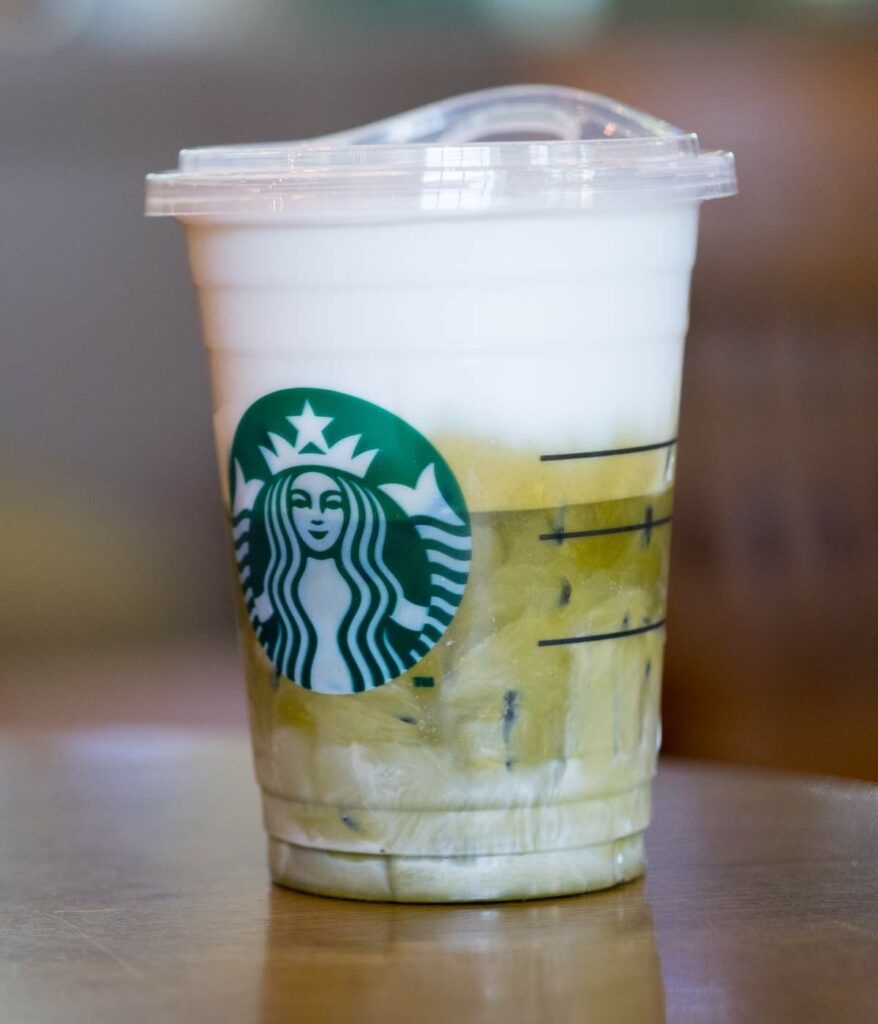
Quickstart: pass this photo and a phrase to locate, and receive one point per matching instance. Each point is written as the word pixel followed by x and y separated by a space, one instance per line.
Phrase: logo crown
pixel 312 449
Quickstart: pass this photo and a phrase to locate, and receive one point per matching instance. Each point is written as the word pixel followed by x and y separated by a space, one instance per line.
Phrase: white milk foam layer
pixel 540 332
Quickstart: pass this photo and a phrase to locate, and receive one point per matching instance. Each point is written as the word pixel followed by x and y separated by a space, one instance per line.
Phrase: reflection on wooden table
pixel 550 960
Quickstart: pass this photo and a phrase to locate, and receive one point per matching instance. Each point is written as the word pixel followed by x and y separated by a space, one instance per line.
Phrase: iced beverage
pixel 446 374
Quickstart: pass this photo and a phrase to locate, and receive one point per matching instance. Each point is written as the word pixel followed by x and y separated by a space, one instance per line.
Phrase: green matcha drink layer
pixel 530 726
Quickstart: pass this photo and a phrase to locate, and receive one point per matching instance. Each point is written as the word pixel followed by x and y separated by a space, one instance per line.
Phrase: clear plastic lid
pixel 516 149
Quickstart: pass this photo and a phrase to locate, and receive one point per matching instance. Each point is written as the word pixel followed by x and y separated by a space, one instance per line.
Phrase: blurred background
pixel 116 600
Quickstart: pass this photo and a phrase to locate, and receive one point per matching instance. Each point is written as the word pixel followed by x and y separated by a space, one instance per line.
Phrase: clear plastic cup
pixel 446 353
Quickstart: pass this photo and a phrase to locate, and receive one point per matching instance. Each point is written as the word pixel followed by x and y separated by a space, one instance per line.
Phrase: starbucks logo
pixel 351 535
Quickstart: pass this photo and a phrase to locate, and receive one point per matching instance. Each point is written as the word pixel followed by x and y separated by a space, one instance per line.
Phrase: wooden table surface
pixel 133 889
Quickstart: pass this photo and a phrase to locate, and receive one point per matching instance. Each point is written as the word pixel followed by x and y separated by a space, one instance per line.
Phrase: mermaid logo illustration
pixel 352 555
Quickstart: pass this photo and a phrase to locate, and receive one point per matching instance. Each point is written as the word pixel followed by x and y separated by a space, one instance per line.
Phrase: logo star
pixel 310 428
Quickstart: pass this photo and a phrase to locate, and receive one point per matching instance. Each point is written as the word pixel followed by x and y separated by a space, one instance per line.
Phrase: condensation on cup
pixel 446 354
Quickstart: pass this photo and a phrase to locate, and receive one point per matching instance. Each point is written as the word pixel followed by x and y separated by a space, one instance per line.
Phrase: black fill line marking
pixel 649 525
pixel 609 451
pixel 601 636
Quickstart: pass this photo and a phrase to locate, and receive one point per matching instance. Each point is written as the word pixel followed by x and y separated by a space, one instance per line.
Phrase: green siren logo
pixel 351 536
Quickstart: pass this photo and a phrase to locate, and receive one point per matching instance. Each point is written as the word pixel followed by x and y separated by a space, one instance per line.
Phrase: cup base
pixel 470 879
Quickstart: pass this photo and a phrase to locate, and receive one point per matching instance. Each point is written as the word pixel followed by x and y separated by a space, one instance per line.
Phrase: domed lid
pixel 516 149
